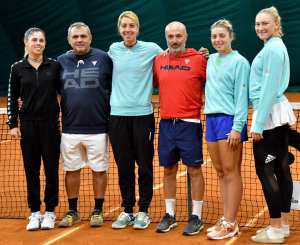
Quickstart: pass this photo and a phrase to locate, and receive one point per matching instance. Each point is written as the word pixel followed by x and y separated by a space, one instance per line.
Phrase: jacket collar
pixel 28 65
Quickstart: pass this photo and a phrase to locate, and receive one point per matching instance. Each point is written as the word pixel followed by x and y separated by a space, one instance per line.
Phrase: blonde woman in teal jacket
pixel 272 115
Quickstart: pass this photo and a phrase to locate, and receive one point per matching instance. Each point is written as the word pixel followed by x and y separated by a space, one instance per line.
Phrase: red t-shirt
pixel 180 80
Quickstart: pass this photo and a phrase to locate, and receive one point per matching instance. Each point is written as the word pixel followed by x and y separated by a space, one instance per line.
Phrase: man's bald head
pixel 177 26
pixel 176 36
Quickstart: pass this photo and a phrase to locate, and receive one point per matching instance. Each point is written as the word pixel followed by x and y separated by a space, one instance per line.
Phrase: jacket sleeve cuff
pixel 238 126
pixel 257 128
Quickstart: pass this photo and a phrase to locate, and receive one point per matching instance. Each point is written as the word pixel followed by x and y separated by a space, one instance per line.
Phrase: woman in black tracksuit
pixel 35 80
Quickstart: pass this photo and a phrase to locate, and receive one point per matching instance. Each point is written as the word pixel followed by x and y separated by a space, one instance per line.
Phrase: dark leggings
pixel 273 171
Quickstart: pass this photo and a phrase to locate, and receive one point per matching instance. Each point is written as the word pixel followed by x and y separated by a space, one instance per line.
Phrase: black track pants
pixel 41 140
pixel 131 138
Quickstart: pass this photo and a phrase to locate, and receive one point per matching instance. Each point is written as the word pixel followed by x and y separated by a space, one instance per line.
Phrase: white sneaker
pixel 268 235
pixel 34 221
pixel 285 229
pixel 48 221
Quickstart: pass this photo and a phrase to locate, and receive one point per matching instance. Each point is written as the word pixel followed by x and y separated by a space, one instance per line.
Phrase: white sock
pixel 197 208
pixel 170 206
pixel 274 233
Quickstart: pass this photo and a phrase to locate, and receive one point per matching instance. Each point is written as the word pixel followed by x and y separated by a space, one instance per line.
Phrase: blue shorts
pixel 179 139
pixel 218 127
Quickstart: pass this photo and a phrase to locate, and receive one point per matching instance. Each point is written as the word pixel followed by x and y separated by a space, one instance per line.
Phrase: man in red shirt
pixel 180 75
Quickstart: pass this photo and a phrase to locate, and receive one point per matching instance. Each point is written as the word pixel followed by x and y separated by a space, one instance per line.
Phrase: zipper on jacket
pixel 37 77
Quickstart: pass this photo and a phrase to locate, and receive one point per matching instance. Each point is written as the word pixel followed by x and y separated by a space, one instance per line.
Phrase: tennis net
pixel 252 213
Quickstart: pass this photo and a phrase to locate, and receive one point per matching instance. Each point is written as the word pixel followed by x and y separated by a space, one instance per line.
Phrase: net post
pixel 189 195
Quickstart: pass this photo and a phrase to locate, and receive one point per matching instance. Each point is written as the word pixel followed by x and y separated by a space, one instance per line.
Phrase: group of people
pixel 108 96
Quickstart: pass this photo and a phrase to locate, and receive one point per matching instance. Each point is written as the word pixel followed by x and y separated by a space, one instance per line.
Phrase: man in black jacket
pixel 85 91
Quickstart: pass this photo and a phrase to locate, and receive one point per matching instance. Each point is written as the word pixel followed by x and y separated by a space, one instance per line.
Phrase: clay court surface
pixel 252 213
pixel 13 233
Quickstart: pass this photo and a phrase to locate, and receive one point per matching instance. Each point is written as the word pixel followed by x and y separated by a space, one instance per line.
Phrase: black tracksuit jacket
pixel 36 88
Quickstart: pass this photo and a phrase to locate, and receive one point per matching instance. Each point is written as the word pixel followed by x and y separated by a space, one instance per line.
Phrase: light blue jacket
pixel 132 78
pixel 269 78
pixel 226 89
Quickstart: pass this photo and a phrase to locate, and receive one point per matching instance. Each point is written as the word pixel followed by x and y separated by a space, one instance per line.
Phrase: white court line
pixel 157 187
pixel 64 234
pixel 251 222
pixel 233 239
pixel 111 210
pixel 5 141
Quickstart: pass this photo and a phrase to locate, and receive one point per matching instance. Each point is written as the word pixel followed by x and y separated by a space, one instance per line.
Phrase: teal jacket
pixel 132 78
pixel 269 78
pixel 226 89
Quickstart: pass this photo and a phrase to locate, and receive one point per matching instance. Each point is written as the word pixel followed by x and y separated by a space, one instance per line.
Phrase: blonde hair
pixel 29 33
pixel 272 11
pixel 225 24
pixel 131 15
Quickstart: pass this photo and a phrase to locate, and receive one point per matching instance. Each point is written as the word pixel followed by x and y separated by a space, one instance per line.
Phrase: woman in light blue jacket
pixel 226 110
pixel 132 125
pixel 272 114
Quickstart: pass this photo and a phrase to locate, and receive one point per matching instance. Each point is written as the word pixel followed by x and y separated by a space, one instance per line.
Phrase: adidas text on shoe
pixel 263 237
pixel 141 221
pixel 34 221
pixel 193 227
pixel 167 223
pixel 48 221
pixel 123 220
pixel 226 230
pixel 96 219
pixel 70 218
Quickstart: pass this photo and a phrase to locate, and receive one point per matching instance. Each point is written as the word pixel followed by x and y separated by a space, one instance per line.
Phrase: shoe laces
pixel 194 218
pixel 219 222
pixel 49 215
pixel 227 225
pixel 124 215
pixel 69 215
pixel 141 216
pixel 168 217
pixel 34 216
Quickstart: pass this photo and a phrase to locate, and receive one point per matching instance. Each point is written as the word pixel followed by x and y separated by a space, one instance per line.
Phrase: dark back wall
pixel 101 15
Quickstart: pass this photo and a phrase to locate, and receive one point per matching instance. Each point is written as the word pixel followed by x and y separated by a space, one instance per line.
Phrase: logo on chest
pixel 82 78
pixel 176 67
